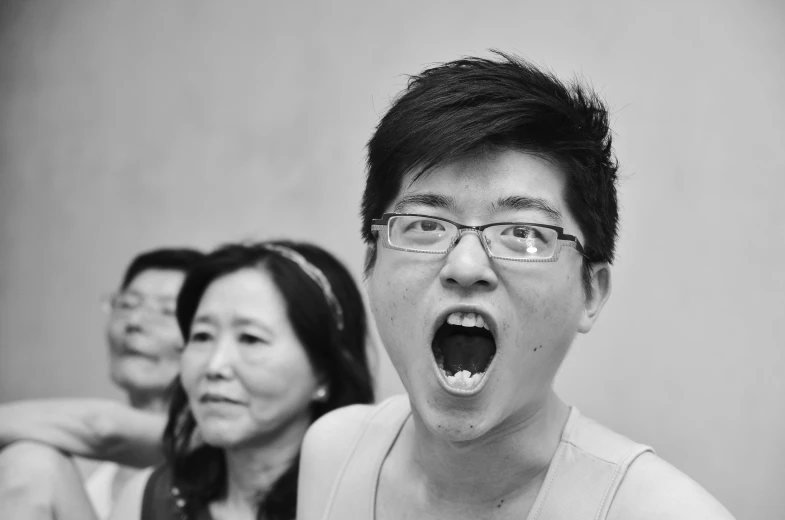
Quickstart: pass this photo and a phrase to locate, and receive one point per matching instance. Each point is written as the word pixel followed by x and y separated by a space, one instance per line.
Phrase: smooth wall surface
pixel 130 125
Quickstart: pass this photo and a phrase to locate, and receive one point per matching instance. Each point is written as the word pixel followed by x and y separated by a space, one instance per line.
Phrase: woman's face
pixel 247 376
pixel 144 339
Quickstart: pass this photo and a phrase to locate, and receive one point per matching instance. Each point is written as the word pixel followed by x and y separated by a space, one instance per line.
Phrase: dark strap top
pixel 161 501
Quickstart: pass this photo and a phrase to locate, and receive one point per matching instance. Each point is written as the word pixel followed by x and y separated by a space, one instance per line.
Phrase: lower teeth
pixel 464 378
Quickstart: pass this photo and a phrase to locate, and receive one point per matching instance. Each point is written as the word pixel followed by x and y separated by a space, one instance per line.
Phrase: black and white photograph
pixel 392 260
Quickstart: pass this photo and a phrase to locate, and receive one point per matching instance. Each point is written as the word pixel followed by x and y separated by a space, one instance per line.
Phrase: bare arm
pixel 93 428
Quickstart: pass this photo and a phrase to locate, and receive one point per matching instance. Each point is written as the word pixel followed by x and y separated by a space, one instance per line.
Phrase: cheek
pixel 171 343
pixel 548 315
pixel 396 292
pixel 191 366
pixel 114 331
pixel 285 376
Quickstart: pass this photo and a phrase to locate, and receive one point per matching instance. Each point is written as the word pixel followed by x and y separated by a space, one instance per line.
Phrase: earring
pixel 321 394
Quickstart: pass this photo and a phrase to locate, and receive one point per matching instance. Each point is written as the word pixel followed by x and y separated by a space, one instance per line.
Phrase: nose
pixel 134 320
pixel 219 365
pixel 468 264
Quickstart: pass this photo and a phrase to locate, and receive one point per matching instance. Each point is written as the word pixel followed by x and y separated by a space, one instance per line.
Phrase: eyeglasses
pixel 518 241
pixel 125 302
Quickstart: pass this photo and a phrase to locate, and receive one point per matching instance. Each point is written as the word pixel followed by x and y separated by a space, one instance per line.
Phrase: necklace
pixel 179 503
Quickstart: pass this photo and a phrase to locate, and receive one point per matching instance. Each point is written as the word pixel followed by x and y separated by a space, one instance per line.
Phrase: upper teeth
pixel 467 319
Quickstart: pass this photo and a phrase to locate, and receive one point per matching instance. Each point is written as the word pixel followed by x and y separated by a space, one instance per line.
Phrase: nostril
pixel 477 282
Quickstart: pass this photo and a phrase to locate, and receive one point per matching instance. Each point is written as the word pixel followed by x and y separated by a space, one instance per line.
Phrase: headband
pixel 315 274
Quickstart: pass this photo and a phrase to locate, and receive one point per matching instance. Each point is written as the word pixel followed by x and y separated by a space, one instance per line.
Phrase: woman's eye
pixel 250 339
pixel 199 337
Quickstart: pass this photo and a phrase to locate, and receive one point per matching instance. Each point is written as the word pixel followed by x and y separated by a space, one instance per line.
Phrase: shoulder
pixel 327 446
pixel 340 428
pixel 129 503
pixel 653 489
pixel 330 439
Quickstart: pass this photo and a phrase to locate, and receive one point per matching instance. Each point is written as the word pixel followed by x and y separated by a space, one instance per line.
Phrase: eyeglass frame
pixel 563 239
pixel 107 304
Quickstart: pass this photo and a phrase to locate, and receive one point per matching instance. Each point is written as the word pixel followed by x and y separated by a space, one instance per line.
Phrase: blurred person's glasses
pixel 121 303
pixel 517 241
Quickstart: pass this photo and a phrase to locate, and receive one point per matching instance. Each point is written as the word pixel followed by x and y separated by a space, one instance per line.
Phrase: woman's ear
pixel 600 291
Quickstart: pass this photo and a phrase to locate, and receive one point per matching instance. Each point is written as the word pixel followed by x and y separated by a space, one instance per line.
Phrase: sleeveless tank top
pixel 582 479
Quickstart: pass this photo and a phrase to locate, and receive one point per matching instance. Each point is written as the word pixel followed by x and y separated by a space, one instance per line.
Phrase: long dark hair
pixel 199 472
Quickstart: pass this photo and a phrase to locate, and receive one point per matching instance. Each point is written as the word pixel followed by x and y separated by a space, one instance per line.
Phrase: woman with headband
pixel 274 338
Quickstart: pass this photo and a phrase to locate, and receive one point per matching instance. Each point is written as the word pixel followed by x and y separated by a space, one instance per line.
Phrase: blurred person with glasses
pixel 490 218
pixel 275 337
pixel 144 352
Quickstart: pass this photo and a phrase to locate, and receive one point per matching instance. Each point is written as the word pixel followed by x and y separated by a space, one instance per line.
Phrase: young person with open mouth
pixel 491 217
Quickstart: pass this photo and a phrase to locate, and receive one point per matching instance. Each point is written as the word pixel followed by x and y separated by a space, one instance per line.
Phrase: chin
pixel 132 379
pixel 222 437
pixel 455 425
pixel 451 418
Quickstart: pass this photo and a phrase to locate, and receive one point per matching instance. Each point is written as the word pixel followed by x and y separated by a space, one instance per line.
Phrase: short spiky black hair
pixel 470 104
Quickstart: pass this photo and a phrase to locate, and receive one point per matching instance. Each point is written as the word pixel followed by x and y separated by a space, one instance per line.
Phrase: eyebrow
pixel 521 203
pixel 236 322
pixel 203 319
pixel 430 200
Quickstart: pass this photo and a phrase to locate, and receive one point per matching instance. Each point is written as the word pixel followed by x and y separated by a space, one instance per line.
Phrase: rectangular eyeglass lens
pixel 420 233
pixel 522 241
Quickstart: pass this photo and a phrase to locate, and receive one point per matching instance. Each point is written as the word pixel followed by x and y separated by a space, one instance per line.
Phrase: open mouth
pixel 463 349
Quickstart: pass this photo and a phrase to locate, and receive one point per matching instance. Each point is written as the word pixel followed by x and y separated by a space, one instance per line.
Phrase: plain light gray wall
pixel 129 125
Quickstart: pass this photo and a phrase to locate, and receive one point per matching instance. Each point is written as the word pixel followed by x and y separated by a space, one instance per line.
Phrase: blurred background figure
pixel 144 358
pixel 275 338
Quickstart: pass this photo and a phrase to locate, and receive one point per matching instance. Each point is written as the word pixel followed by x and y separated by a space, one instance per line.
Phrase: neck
pixel 149 402
pixel 516 456
pixel 253 469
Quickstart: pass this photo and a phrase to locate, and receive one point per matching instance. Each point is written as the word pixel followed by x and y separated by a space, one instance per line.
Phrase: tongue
pixel 465 352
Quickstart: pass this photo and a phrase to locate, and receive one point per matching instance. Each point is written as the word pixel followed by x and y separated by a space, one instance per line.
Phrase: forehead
pixel 249 292
pixel 477 185
pixel 157 282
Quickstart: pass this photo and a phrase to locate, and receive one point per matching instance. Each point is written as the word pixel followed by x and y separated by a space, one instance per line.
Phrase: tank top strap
pixel 585 472
pixel 354 492
pixel 157 503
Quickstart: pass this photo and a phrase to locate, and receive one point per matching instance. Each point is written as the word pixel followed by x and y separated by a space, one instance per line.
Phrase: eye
pixel 425 226
pixel 523 240
pixel 125 303
pixel 527 233
pixel 250 339
pixel 200 336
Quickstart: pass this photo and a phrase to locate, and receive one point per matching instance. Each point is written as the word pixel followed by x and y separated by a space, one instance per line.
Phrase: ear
pixel 600 291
